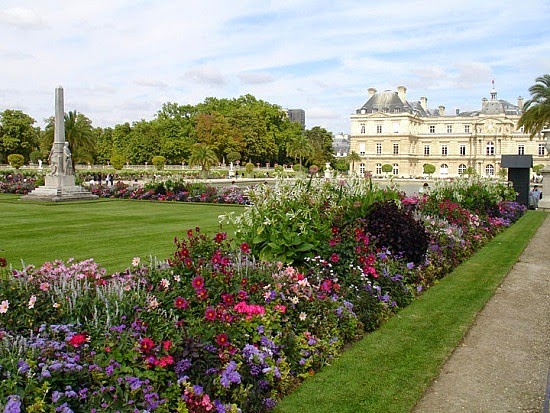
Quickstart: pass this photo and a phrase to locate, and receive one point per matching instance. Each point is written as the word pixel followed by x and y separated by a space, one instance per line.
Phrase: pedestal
pixel 544 203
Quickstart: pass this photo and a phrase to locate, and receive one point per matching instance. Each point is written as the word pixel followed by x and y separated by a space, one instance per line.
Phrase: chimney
pixel 520 102
pixel 402 93
pixel 457 112
pixel 372 91
pixel 483 103
pixel 441 110
pixel 424 102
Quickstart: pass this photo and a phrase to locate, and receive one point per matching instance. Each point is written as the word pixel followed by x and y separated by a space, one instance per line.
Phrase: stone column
pixel 544 203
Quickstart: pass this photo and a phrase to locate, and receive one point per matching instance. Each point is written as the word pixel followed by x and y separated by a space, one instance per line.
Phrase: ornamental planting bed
pixel 233 323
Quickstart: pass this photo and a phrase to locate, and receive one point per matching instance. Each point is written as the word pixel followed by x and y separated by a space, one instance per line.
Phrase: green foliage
pixel 233 156
pixel 118 161
pixel 159 162
pixel 16 160
pixel 387 168
pixel 536 115
pixel 249 168
pixel 203 156
pixel 17 134
pixel 538 168
pixel 428 168
pixel 35 156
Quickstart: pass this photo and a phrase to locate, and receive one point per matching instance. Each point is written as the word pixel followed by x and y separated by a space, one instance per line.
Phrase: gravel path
pixel 503 363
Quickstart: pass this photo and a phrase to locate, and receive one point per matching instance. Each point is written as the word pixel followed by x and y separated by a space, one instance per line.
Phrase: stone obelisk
pixel 60 181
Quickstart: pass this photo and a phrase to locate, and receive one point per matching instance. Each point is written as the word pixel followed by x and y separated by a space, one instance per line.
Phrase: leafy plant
pixel 16 160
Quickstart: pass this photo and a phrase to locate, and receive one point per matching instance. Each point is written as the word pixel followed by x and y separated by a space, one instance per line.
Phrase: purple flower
pixel 230 375
pixel 13 405
pixel 22 366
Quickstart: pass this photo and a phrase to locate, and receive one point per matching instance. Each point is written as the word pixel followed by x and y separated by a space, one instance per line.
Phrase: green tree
pixel 16 160
pixel 321 146
pixel 203 156
pixel 299 148
pixel 387 168
pixel 352 158
pixel 78 132
pixel 117 161
pixel 159 162
pixel 175 126
pixel 17 134
pixel 143 140
pixel 428 168
pixel 536 115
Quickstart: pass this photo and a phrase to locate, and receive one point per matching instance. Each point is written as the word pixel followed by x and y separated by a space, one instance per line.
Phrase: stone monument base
pixel 544 203
pixel 59 188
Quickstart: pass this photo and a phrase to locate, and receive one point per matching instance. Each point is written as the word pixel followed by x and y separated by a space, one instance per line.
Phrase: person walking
pixel 535 195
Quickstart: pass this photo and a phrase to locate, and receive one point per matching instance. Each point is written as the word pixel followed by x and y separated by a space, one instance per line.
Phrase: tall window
pixel 466 128
pixel 432 128
pixel 395 169
pixel 541 149
pixel 362 168
pixel 379 148
pixel 444 149
pixel 462 149
pixel 449 128
pixel 379 128
pixel 461 169
pixel 378 169
pixel 490 170
pixel 490 149
pixel 521 149
pixel 396 149
pixel 362 128
pixel 426 150
pixel 444 169
pixel 361 149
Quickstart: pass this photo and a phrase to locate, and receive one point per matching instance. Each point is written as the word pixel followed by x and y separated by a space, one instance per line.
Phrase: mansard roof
pixel 390 102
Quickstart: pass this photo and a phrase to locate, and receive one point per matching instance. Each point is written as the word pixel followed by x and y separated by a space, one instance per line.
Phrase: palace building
pixel 390 130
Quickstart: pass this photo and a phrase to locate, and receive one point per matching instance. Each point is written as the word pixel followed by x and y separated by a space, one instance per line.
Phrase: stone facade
pixel 388 129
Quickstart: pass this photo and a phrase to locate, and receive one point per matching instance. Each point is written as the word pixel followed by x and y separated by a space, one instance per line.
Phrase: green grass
pixel 390 369
pixel 111 232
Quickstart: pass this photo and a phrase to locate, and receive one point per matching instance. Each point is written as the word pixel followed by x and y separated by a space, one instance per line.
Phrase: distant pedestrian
pixel 424 189
pixel 535 195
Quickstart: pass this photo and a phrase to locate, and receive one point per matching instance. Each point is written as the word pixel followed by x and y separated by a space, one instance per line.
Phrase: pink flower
pixel 197 283
pixel 146 345
pixel 181 303
pixel 210 314
pixel 245 248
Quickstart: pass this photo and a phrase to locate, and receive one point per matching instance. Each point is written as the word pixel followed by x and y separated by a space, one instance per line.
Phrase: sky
pixel 121 60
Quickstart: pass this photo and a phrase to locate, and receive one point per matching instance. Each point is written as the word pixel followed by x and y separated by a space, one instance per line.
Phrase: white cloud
pixel 120 60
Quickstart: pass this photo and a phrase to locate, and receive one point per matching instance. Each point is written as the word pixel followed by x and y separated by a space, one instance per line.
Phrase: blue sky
pixel 120 60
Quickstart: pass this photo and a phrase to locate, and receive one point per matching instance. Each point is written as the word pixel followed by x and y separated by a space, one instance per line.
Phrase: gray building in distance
pixel 296 115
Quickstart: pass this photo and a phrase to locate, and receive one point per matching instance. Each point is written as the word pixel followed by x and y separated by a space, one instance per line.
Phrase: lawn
pixel 110 231
pixel 389 370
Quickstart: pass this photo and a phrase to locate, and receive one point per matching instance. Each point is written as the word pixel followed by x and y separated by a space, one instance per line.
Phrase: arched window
pixel 395 169
pixel 490 170
pixel 361 168
pixel 378 169
pixel 461 169
pixel 444 170
pixel 362 128
pixel 490 150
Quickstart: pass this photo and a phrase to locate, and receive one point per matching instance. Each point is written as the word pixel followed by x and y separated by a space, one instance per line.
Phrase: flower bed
pixel 214 328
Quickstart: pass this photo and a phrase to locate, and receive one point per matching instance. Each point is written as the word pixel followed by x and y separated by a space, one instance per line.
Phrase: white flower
pixel 32 300
pixel 136 261
pixel 177 278
pixel 294 300
pixel 56 305
pixel 302 316
pixel 4 307
pixel 164 284
pixel 153 303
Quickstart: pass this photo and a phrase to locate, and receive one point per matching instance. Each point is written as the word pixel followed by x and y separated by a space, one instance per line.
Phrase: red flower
pixel 210 314
pixel 146 345
pixel 166 345
pixel 222 340
pixel 181 303
pixel 78 339
pixel 228 299
pixel 166 361
pixel 202 294
pixel 335 258
pixel 197 283
pixel 245 248
pixel 220 236
pixel 3 262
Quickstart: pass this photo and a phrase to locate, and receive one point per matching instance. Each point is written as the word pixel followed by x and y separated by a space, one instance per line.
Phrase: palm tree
pixel 299 148
pixel 536 115
pixel 204 156
pixel 79 134
pixel 352 158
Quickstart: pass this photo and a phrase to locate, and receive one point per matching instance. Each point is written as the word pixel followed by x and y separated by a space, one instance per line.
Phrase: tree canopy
pixel 536 114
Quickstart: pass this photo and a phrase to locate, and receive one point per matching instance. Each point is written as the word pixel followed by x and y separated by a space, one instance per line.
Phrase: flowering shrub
pixel 17 183
pixel 214 329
